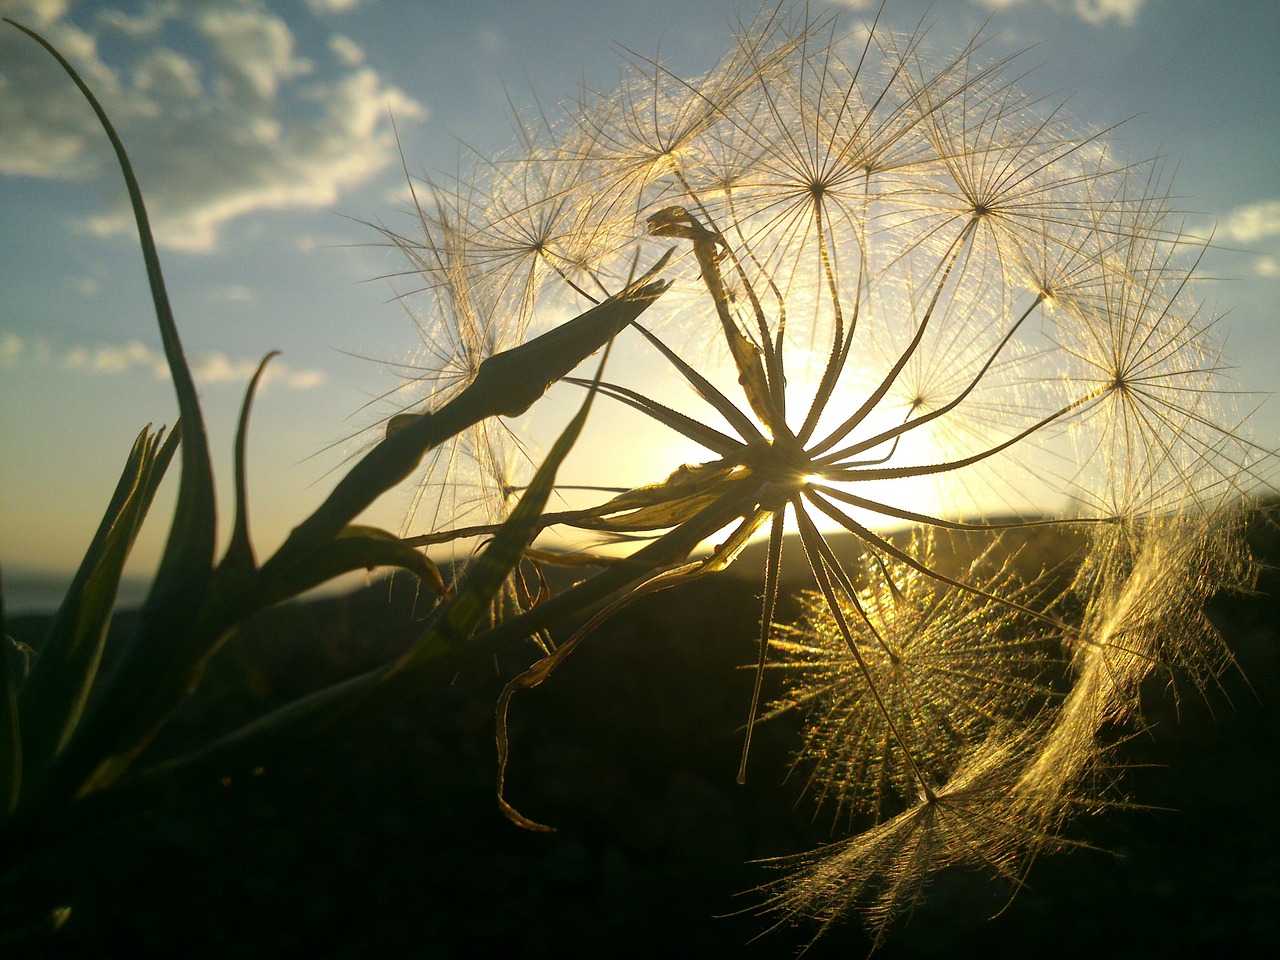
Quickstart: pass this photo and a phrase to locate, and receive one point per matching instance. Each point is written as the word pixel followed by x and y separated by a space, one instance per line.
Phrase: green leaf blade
pixel 52 700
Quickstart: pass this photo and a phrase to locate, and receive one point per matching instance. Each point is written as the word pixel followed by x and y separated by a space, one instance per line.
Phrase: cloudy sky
pixel 262 137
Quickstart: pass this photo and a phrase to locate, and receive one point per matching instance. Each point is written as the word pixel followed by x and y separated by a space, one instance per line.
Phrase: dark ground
pixel 387 842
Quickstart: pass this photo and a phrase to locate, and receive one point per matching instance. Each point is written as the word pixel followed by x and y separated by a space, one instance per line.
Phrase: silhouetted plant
pixel 75 742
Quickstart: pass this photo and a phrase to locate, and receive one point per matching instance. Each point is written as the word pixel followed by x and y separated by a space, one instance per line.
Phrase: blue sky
pixel 262 138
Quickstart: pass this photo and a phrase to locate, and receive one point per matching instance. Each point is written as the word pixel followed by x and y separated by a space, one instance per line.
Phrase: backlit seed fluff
pixel 904 293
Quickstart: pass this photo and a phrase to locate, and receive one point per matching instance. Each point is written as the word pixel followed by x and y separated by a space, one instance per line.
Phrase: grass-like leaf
pixel 435 655
pixel 54 696
pixel 507 384
pixel 13 663
pixel 186 565
pixel 187 561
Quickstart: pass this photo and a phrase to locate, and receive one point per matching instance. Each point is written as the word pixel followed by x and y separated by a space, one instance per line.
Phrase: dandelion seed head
pixel 903 292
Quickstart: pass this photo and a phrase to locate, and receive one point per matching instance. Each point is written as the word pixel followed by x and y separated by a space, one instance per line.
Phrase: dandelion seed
pixel 881 873
pixel 947 664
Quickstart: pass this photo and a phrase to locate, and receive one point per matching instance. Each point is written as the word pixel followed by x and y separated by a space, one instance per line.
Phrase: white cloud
pixel 1097 12
pixel 142 25
pixel 11 348
pixel 44 118
pixel 135 356
pixel 1267 267
pixel 333 6
pixel 253 53
pixel 305 379
pixel 233 293
pixel 168 75
pixel 347 51
pixel 115 358
pixel 212 368
pixel 118 359
pixel 219 368
pixel 1101 11
pixel 236 123
pixel 41 12
pixel 1253 222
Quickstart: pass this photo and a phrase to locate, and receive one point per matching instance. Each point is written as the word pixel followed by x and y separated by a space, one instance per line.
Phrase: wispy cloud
pixel 211 368
pixel 12 347
pixel 141 25
pixel 85 284
pixel 347 51
pixel 168 76
pixel 134 356
pixel 116 358
pixel 491 39
pixel 1253 222
pixel 225 118
pixel 333 6
pixel 233 293
pixel 1096 12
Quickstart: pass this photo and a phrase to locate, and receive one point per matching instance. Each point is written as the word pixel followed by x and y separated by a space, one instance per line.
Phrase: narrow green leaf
pixel 14 658
pixel 54 696
pixel 188 556
pixel 355 548
pixel 239 556
pixel 464 612
pixel 437 654
pixel 186 565
pixel 125 487
pixel 507 383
